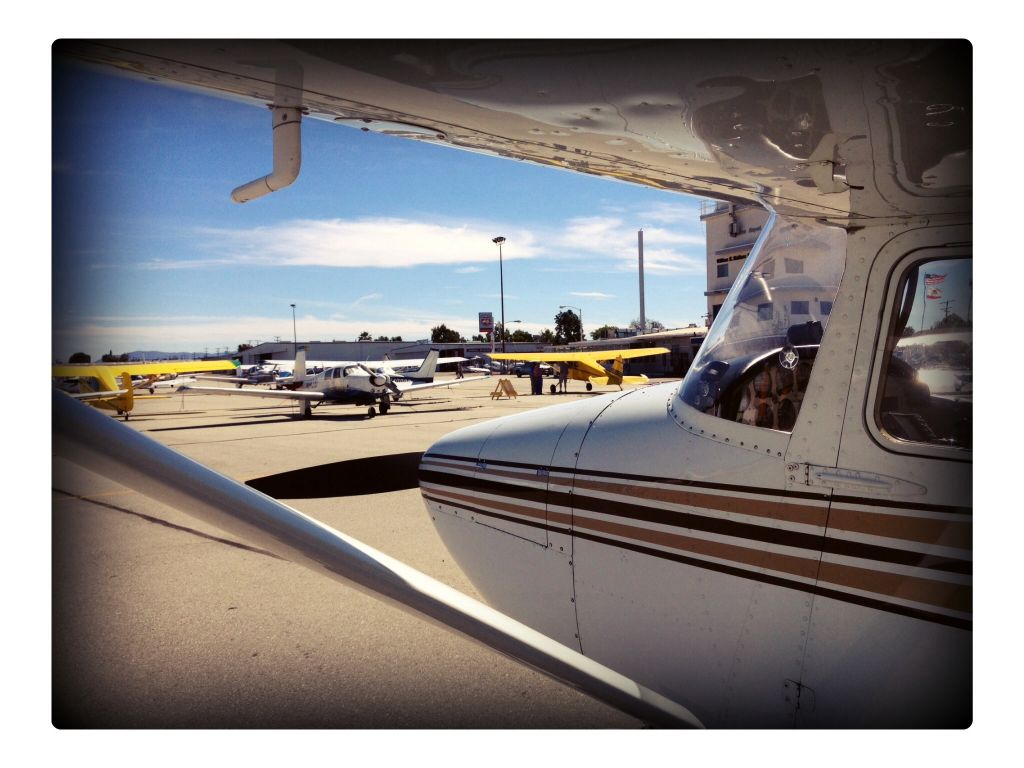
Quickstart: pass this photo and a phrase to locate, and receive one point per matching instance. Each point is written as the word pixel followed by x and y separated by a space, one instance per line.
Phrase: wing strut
pixel 140 463
pixel 287 157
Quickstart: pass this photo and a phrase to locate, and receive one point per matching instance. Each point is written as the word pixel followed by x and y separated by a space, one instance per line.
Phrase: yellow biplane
pixel 586 366
pixel 111 394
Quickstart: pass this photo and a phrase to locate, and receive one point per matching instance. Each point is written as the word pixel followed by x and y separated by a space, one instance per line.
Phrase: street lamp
pixel 578 309
pixel 501 275
pixel 295 336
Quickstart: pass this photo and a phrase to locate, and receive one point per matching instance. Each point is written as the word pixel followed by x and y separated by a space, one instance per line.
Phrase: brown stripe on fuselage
pixel 773 510
pixel 909 528
pixel 758 558
pixel 443 494
pixel 955 597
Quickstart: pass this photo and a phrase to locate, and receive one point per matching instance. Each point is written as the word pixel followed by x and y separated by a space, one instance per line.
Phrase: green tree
pixel 364 336
pixel 479 337
pixel 521 335
pixel 653 326
pixel 952 320
pixel 243 347
pixel 80 357
pixel 567 327
pixel 547 337
pixel 604 332
pixel 442 334
pixel 501 333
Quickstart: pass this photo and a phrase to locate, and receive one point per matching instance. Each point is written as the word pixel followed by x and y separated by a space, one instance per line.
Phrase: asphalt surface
pixel 160 621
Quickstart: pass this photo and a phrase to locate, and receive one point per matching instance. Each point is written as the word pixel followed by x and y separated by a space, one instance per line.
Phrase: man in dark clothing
pixel 536 379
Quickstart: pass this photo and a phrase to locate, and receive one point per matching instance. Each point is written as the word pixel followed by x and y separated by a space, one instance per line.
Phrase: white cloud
pixel 374 242
pixel 367 297
pixel 592 294
pixel 468 270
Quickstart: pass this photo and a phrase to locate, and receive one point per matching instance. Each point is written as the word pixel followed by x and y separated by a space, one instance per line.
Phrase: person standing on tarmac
pixel 536 379
pixel 563 377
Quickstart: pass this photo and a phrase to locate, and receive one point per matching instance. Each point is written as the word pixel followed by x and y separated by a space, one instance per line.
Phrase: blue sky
pixel 379 234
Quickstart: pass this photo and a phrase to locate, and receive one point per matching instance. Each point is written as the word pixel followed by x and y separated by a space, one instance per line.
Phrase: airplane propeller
pixel 139 462
pixel 379 379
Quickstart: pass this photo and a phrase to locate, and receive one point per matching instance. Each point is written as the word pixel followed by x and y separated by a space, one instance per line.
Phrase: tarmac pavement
pixel 160 621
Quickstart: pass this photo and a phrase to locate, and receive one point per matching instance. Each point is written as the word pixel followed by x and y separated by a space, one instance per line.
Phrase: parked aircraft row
pixel 345 383
pixel 781 539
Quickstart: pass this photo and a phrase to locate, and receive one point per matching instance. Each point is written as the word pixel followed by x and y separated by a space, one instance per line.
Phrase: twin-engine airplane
pixel 586 366
pixel 118 395
pixel 344 383
pixel 783 538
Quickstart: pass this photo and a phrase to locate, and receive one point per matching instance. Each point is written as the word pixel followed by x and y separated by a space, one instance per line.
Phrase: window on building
pixel 825 307
pixel 794 267
pixel 723 269
pixel 800 308
pixel 764 311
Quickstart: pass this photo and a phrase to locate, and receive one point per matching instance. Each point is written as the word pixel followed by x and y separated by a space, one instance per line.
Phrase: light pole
pixel 578 309
pixel 295 336
pixel 501 276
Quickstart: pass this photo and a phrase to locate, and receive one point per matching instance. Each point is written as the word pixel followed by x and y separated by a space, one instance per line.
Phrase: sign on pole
pixel 486 322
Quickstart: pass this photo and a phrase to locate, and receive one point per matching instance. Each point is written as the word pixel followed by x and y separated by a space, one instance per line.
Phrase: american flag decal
pixel 933 279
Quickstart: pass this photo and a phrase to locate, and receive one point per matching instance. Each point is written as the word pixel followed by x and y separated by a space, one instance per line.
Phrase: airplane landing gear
pixel 385 405
pixel 589 386
pixel 371 412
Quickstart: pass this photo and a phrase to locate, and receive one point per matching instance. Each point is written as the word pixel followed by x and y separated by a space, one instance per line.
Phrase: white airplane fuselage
pixel 819 577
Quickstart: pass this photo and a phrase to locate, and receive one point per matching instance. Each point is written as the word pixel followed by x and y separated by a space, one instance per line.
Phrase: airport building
pixel 730 232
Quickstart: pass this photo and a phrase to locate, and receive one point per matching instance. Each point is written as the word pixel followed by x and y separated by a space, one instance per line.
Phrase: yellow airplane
pixel 586 366
pixel 114 396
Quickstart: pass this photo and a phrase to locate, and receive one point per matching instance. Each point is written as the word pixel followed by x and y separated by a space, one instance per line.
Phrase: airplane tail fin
pixel 426 371
pixel 128 399
pixel 299 374
pixel 615 374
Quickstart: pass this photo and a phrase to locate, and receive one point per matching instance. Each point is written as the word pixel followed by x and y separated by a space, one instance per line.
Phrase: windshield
pixel 755 362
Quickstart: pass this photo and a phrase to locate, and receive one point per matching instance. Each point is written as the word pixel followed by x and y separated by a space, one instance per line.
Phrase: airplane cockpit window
pixel 756 361
pixel 925 391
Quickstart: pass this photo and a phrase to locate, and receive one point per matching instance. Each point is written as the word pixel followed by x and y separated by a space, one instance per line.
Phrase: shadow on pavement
pixel 356 477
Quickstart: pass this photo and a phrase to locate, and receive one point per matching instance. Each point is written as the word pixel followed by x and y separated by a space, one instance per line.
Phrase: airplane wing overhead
pixel 791 124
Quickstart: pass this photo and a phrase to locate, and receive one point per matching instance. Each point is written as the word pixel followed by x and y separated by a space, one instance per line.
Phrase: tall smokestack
pixel 640 249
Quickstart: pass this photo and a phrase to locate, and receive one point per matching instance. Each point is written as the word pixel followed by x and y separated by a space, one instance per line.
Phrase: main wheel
pixel 385 406
pixel 589 386
pixel 552 387
pixel 371 412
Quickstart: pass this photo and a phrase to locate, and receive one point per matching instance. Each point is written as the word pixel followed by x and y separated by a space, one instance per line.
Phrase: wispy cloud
pixel 386 243
pixel 468 270
pixel 366 298
pixel 592 294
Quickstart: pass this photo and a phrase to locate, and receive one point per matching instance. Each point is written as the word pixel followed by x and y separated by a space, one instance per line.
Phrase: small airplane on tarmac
pixel 263 373
pixel 586 366
pixel 344 383
pixel 114 390
pixel 783 538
